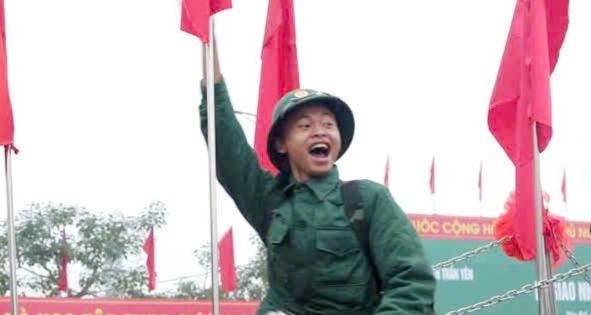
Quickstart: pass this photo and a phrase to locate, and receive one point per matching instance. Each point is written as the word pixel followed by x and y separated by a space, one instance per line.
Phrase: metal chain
pixel 528 288
pixel 572 258
pixel 569 254
pixel 466 255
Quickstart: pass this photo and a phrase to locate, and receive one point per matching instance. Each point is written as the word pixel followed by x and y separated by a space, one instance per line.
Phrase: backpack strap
pixel 353 203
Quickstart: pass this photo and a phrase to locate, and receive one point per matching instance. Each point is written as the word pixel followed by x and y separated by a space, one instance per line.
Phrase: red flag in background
pixel 6 119
pixel 563 187
pixel 195 16
pixel 279 71
pixel 387 173
pixel 227 267
pixel 432 177
pixel 521 100
pixel 480 183
pixel 151 260
pixel 62 282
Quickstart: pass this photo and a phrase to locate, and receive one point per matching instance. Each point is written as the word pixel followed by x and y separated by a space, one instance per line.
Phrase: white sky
pixel 105 96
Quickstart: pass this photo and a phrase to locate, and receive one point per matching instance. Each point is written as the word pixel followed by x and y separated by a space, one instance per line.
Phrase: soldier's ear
pixel 280 145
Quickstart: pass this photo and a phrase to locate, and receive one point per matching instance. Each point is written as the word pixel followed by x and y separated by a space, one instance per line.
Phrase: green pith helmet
pixel 295 99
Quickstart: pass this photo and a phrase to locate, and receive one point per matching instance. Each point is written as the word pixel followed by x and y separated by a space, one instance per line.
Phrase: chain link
pixel 572 258
pixel 466 255
pixel 528 288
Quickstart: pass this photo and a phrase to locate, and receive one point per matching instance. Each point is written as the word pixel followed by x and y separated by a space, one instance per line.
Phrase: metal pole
pixel 11 230
pixel 433 191
pixel 433 203
pixel 480 208
pixel 480 185
pixel 564 192
pixel 239 112
pixel 546 299
pixel 211 140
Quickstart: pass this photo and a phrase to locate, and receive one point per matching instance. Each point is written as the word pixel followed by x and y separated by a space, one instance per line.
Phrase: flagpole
pixel 433 202
pixel 211 140
pixel 480 189
pixel 563 189
pixel 546 298
pixel 480 207
pixel 11 229
pixel 432 185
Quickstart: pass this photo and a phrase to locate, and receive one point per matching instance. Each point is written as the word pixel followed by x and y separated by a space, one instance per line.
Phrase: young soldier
pixel 321 260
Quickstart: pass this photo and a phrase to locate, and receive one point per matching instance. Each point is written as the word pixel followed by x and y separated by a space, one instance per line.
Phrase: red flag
pixel 195 16
pixel 563 188
pixel 227 268
pixel 6 119
pixel 151 260
pixel 279 71
pixel 521 97
pixel 432 177
pixel 62 282
pixel 480 182
pixel 387 173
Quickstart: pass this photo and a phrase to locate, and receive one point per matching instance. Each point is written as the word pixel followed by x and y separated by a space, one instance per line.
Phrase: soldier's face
pixel 312 141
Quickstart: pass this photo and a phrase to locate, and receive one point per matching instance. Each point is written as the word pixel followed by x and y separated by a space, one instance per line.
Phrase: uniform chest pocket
pixel 339 242
pixel 277 231
pixel 339 261
pixel 278 252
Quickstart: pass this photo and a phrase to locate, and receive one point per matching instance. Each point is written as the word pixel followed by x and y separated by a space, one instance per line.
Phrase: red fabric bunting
pixel 279 71
pixel 554 232
pixel 150 260
pixel 196 13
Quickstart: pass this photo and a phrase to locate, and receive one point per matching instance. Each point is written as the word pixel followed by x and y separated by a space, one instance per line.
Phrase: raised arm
pixel 238 168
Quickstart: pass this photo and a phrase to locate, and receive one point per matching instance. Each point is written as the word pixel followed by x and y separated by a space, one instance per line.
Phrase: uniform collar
pixel 320 186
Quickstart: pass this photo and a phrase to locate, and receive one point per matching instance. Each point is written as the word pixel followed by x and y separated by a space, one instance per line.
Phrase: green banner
pixel 492 273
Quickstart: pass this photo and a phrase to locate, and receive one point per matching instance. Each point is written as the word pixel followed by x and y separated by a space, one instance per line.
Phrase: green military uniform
pixel 316 263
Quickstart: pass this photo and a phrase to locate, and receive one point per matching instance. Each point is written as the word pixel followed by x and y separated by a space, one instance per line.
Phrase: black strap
pixel 353 201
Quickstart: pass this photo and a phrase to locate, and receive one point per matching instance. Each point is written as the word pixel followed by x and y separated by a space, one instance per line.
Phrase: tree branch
pixel 85 290
pixel 34 273
pixel 44 266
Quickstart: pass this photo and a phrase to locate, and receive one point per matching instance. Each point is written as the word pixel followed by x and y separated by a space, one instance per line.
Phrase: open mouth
pixel 319 150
